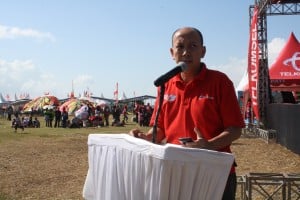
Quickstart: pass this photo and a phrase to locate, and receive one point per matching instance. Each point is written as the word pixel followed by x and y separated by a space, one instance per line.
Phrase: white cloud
pixel 28 85
pixel 19 77
pixel 236 67
pixel 7 32
pixel 83 79
pixel 82 83
pixel 274 48
pixel 14 70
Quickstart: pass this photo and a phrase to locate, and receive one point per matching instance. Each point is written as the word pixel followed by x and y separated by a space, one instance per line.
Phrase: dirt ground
pixel 44 168
pixel 55 168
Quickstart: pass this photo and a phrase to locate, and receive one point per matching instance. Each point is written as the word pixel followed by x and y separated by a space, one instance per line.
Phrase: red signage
pixel 253 63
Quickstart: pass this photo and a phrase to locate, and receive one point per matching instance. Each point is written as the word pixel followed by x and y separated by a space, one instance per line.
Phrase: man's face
pixel 187 47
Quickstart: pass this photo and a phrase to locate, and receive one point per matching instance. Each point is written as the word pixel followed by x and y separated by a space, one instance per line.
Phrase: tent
pixel 285 71
pixel 73 104
pixel 243 84
pixel 40 102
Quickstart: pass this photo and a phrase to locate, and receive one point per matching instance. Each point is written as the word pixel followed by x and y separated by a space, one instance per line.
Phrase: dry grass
pixel 54 166
pixel 44 168
pixel 255 155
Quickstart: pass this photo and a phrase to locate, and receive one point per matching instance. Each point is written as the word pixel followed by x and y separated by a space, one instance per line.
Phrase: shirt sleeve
pixel 229 109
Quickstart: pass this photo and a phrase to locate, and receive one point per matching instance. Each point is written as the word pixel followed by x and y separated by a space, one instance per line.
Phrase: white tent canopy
pixel 243 85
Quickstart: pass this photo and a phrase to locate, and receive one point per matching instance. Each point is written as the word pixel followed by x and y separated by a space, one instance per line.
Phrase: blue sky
pixel 47 45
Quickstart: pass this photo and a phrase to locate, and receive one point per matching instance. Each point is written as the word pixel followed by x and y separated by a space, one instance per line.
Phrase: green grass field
pixel 8 133
pixel 23 151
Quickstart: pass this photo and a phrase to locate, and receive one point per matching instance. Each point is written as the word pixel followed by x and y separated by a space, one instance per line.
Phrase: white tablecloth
pixel 122 167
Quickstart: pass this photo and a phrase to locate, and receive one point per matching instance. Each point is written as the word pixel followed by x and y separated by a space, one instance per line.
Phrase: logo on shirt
pixel 206 97
pixel 170 97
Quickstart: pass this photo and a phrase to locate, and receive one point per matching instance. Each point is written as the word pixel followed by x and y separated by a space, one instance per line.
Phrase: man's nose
pixel 186 51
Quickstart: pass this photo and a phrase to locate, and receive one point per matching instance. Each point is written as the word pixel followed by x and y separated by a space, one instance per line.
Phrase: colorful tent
pixel 73 104
pixel 82 113
pixel 40 103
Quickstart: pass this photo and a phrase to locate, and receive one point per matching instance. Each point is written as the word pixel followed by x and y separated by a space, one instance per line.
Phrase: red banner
pixel 116 93
pixel 253 63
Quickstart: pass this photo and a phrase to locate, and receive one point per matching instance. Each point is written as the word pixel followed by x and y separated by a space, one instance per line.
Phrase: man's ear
pixel 203 51
pixel 172 53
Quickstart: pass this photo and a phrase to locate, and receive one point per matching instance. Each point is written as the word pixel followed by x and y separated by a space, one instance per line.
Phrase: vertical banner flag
pixel 253 63
pixel 7 97
pixel 116 92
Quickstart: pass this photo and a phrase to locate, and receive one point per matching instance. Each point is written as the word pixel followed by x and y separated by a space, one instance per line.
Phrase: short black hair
pixel 199 32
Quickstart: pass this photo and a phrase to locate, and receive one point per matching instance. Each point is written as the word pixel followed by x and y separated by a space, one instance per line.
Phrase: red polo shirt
pixel 208 102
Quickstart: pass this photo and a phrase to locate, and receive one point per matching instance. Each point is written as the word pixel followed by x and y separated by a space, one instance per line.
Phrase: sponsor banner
pixel 253 63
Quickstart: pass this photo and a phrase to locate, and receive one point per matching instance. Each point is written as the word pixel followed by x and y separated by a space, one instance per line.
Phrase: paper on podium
pixel 126 168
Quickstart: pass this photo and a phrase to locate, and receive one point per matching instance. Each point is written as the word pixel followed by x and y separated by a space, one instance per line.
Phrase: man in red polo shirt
pixel 199 103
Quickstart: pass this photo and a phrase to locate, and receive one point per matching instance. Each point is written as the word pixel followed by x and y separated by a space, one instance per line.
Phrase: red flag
pixel 7 97
pixel 116 92
pixel 253 63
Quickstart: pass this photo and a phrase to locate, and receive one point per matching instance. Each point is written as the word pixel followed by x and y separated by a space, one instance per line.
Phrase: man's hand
pixel 140 134
pixel 135 132
pixel 220 141
pixel 148 136
pixel 200 142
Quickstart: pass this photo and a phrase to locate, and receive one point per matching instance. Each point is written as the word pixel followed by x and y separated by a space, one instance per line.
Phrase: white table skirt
pixel 122 167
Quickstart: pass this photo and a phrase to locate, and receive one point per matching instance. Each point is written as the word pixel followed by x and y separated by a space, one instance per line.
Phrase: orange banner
pixel 253 63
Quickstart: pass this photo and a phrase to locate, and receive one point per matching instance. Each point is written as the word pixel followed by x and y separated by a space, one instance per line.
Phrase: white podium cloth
pixel 122 167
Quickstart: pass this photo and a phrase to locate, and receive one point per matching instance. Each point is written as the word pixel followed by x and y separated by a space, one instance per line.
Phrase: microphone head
pixel 182 65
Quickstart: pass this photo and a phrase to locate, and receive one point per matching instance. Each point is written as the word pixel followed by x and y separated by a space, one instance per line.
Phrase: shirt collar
pixel 199 77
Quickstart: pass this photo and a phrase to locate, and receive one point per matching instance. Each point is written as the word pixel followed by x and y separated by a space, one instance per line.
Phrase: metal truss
pixel 268 8
pixel 283 9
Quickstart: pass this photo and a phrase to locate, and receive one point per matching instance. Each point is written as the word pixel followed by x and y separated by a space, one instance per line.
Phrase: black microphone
pixel 167 76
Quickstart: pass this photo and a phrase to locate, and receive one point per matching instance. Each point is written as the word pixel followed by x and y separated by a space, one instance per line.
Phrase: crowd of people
pixel 86 116
pixel 25 122
pixel 143 114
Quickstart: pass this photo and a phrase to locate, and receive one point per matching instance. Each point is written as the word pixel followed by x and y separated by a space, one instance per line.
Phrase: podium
pixel 126 168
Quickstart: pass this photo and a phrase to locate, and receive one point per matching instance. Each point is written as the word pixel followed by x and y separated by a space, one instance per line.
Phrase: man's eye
pixel 180 47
